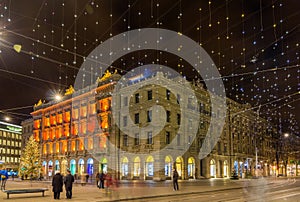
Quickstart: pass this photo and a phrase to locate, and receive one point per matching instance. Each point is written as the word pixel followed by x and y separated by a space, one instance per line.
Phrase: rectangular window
pixel 168 114
pixel 137 139
pixel 125 101
pixel 219 147
pixel 137 98
pixel 167 137
pixel 178 119
pixel 149 138
pixel 149 116
pixel 137 118
pixel 168 94
pixel 125 140
pixel 149 94
pixel 124 121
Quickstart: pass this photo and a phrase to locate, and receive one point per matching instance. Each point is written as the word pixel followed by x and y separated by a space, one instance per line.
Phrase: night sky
pixel 255 45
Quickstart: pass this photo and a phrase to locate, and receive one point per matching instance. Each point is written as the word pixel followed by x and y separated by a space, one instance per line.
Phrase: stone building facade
pixel 101 129
pixel 27 129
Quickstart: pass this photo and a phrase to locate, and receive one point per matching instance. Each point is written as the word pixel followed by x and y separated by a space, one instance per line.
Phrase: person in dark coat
pixel 57 183
pixel 102 178
pixel 175 180
pixel 98 179
pixel 69 179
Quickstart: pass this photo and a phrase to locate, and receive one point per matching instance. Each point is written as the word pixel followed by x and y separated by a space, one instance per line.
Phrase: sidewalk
pixel 132 190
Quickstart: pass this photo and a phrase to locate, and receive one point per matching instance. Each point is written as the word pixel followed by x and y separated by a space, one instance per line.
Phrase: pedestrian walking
pixel 98 180
pixel 69 179
pixel 102 178
pixel 57 183
pixel 87 178
pixel 175 180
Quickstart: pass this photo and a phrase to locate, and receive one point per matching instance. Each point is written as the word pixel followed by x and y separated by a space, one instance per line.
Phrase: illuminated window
pixel 52 135
pixel 59 118
pixel 47 134
pixel 67 130
pixel 65 146
pixel 37 124
pixel 90 143
pixel 73 145
pixel 102 142
pixel 92 108
pixel 53 119
pixel 57 147
pixel 136 167
pixel 51 147
pixel 92 124
pixel 75 129
pixel 44 135
pixel 47 122
pixel 81 144
pixel 83 127
pixel 104 122
pixel 67 116
pixel 75 113
pixel 83 111
pixel 36 135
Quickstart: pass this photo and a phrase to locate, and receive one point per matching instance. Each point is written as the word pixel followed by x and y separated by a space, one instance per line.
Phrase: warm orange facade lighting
pixel 47 122
pixel 83 111
pixel 59 118
pixel 37 124
pixel 53 120
pixel 67 116
pixel 75 113
pixel 93 108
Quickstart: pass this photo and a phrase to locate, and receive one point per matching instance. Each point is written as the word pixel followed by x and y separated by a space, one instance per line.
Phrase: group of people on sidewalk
pixel 58 181
pixel 102 178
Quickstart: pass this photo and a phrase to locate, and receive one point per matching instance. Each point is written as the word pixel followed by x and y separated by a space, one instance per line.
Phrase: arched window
pixel 124 167
pixel 81 166
pixel 73 166
pixel 136 167
pixel 212 168
pixel 168 166
pixel 90 166
pixel 149 166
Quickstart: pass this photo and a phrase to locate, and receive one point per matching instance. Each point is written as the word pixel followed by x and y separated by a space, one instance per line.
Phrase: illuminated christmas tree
pixel 30 163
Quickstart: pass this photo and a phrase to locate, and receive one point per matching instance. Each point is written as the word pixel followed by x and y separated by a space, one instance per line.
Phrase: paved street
pixel 265 189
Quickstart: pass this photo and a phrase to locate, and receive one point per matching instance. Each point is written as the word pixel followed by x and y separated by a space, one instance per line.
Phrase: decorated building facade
pixel 88 132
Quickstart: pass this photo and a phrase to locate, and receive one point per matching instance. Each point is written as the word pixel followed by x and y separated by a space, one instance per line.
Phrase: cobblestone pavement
pixel 127 190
